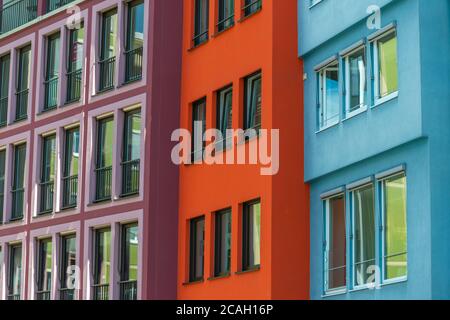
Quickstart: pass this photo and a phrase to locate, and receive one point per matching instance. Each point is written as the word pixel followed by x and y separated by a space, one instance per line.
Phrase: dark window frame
pixel 193 250
pixel 249 87
pixel 12 249
pixel 219 246
pixel 224 115
pixel 195 114
pixel 224 22
pixel 200 36
pixel 41 259
pixel 246 235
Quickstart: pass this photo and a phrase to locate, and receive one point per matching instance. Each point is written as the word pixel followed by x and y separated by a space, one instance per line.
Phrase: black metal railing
pixel 66 294
pixel 55 4
pixel 252 7
pixel 107 68
pixel 100 292
pixel 17 13
pixel 21 104
pixel 128 290
pixel 74 80
pixel 200 38
pixel 14 296
pixel 69 191
pixel 130 177
pixel 3 111
pixel 133 65
pixel 225 23
pixel 103 183
pixel 17 204
pixel 51 93
pixel 46 196
pixel 43 295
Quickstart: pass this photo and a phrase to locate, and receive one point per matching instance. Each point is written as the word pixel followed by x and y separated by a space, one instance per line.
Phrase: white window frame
pixel 322 108
pixel 5 243
pixel 363 105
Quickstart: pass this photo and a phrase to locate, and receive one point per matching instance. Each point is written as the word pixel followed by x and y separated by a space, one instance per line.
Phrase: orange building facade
pixel 244 51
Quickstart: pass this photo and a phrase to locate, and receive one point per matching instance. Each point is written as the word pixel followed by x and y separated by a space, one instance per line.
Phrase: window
pixel 334 245
pixel 1 263
pixel 226 15
pixel 18 190
pixel 44 269
pixel 394 227
pixel 103 171
pixel 222 238
pixel 129 262
pixel 198 128
pixel 51 73
pixel 102 264
pixel 131 152
pixel 251 235
pixel 201 22
pixel 328 96
pixel 134 41
pixel 386 69
pixel 224 116
pixel 15 272
pixel 355 82
pixel 252 110
pixel 70 168
pixel 68 262
pixel 46 186
pixel 363 239
pixel 251 6
pixel 2 182
pixel 55 4
pixel 108 40
pixel 75 56
pixel 4 89
pixel 197 237
pixel 23 83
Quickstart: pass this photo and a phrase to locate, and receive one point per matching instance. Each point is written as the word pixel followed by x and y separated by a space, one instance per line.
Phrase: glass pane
pixel 201 18
pixel 15 270
pixel 330 100
pixel 387 59
pixel 19 166
pixel 357 81
pixel 45 265
pixel 130 253
pixel 224 111
pixel 223 242
pixel 197 249
pixel 136 25
pixel 132 135
pixel 72 154
pixel 2 177
pixel 48 158
pixel 4 76
pixel 198 127
pixel 105 142
pixel 226 12
pixel 76 49
pixel 336 243
pixel 69 258
pixel 253 235
pixel 52 56
pixel 24 68
pixel 395 227
pixel 109 34
pixel 103 258
pixel 253 107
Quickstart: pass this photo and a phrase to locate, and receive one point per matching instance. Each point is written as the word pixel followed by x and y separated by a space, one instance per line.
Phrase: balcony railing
pixel 70 190
pixel 43 295
pixel 74 86
pixel 100 292
pixel 103 184
pixel 66 294
pixel 225 23
pixel 200 38
pixel 107 68
pixel 51 94
pixel 17 204
pixel 21 104
pixel 55 4
pixel 3 111
pixel 13 296
pixel 133 65
pixel 130 177
pixel 128 290
pixel 17 13
pixel 46 197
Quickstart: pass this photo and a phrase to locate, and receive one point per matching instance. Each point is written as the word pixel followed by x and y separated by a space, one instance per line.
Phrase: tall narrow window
pixel 103 171
pixel 395 264
pixel 334 246
pixel 328 96
pixel 47 183
pixel 134 41
pixel 68 262
pixel 23 83
pixel 70 169
pixel 226 15
pixel 55 4
pixel 18 190
pixel 129 262
pixel 197 239
pixel 251 6
pixel 2 182
pixel 355 82
pixel 386 68
pixel 44 269
pixel 131 153
pixel 252 110
pixel 15 272
pixel 201 21
pixel 1 263
pixel 222 247
pixel 251 235
pixel 363 215
pixel 108 40
pixel 224 116
pixel 75 55
pixel 102 264
pixel 4 89
pixel 198 129
pixel 51 73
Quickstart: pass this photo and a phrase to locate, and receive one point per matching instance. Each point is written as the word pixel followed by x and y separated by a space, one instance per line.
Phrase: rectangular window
pixel 1 263
pixel 55 4
pixel 44 269
pixel 355 82
pixel 23 83
pixel 129 262
pixel 131 153
pixel 201 21
pixel 15 272
pixel 134 41
pixel 18 190
pixel 75 54
pixel 395 264
pixel 46 186
pixel 68 262
pixel 70 169
pixel 328 96
pixel 2 182
pixel 197 239
pixel 226 15
pixel 103 171
pixel 363 219
pixel 222 239
pixel 386 68
pixel 251 6
pixel 335 246
pixel 198 129
pixel 108 40
pixel 51 72
pixel 102 264
pixel 4 89
pixel 252 110
pixel 251 235
pixel 224 116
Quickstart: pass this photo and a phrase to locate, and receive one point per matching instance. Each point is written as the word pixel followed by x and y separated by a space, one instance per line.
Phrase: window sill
pixel 327 127
pixel 191 283
pixel 355 113
pixel 385 99
pixel 334 293
pixel 224 276
pixel 245 17
pixel 251 270
pixel 99 202
pixel 394 281
pixel 128 196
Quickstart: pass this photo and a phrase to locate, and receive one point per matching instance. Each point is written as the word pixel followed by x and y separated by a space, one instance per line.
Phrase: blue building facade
pixel 377 147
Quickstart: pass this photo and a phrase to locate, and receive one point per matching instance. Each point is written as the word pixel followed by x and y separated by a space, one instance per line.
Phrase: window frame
pixel 221 99
pixel 226 22
pixel 11 249
pixel 26 49
pixel 71 66
pixel 249 87
pixel 321 96
pixel 195 112
pixel 193 225
pixel 362 107
pixel 5 69
pixel 245 256
pixel 65 263
pixel 200 36
pixel 41 266
pixel 44 179
pixel 219 246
